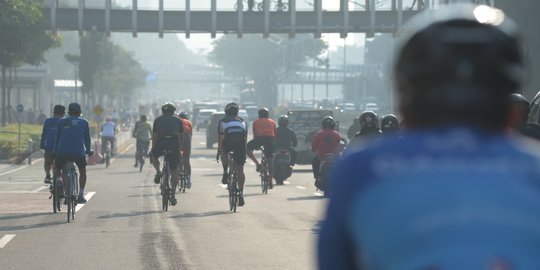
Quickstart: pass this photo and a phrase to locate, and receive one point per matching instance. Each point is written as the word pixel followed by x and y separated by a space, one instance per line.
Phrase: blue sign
pixel 152 76
pixel 20 108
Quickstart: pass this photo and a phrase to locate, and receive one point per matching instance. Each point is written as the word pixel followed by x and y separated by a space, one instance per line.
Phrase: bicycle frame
pixel 232 186
pixel 71 184
pixel 165 184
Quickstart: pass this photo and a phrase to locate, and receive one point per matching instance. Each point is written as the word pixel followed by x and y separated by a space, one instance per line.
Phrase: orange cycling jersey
pixel 264 127
pixel 188 129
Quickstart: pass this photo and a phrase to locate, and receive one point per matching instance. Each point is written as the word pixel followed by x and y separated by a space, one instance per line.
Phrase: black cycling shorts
pixel 61 160
pixel 169 149
pixel 239 151
pixel 266 142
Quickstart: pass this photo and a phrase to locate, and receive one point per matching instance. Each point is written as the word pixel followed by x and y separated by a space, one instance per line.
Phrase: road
pixel 122 225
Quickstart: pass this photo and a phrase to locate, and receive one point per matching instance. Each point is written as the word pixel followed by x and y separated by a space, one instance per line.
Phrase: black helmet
pixel 232 109
pixel 263 112
pixel 168 108
pixel 283 121
pixel 458 64
pixel 59 110
pixel 368 120
pixel 389 123
pixel 183 115
pixel 74 108
pixel 329 122
pixel 143 117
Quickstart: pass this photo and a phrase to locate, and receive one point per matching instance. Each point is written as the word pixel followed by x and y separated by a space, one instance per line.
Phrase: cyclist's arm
pixel 43 135
pixel 87 142
pixel 221 135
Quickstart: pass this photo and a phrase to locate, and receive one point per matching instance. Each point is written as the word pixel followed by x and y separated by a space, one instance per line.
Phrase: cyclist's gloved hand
pixel 89 152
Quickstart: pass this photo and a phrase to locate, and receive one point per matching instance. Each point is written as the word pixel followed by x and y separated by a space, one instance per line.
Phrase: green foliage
pixel 107 67
pixel 9 143
pixel 23 37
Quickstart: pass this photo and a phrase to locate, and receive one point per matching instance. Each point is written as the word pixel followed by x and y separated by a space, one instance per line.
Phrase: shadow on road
pixel 245 195
pixel 145 186
pixel 131 214
pixel 199 215
pixel 127 172
pixel 213 174
pixel 19 216
pixel 302 171
pixel 144 195
pixel 34 226
pixel 306 198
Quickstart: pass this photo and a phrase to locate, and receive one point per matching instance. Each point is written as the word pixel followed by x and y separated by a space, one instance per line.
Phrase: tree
pixel 265 61
pixel 24 39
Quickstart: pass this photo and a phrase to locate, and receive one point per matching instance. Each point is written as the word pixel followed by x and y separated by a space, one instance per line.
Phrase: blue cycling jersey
pixel 445 199
pixel 48 135
pixel 73 136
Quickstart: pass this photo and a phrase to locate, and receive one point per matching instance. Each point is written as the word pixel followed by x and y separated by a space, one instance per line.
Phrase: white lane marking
pixel 39 189
pixel 88 196
pixel 202 143
pixel 14 170
pixel 5 240
pixel 300 187
pixel 318 194
pixel 22 192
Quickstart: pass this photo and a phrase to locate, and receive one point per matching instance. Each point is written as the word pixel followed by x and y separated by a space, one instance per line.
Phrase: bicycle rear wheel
pixel 165 190
pixel 264 178
pixel 69 196
pixel 54 193
pixel 233 190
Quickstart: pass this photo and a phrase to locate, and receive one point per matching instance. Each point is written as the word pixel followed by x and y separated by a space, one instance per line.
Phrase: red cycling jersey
pixel 325 142
pixel 264 127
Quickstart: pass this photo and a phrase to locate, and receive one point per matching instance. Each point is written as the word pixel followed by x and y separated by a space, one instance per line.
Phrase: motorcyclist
pixel 389 124
pixel 286 138
pixel 325 141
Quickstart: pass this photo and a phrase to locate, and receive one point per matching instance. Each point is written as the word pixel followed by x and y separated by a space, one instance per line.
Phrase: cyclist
pixel 143 134
pixel 48 138
pixel 232 136
pixel 389 124
pixel 264 132
pixel 454 192
pixel 186 148
pixel 325 141
pixel 167 135
pixel 286 138
pixel 108 131
pixel 72 143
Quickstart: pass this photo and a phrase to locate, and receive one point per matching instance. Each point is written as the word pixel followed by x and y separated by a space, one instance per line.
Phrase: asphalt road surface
pixel 122 225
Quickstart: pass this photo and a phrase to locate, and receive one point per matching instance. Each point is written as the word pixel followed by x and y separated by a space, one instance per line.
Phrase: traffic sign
pixel 20 108
pixel 98 109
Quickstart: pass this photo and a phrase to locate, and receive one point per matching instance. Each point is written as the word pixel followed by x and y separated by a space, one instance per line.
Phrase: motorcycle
pixel 321 182
pixel 282 166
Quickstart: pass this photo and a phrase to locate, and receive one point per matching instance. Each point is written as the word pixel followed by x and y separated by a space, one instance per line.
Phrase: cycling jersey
pixel 48 135
pixel 264 127
pixel 142 131
pixel 446 199
pixel 72 137
pixel 167 127
pixel 234 133
pixel 326 141
pixel 188 127
pixel 107 129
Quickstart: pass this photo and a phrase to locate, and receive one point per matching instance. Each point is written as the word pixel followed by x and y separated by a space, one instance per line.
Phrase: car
pixel 203 118
pixel 212 129
pixel 305 123
pixel 244 115
pixel 372 107
pixel 252 112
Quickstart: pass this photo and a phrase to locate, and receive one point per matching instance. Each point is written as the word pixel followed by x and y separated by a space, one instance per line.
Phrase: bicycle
pixel 264 173
pixel 71 179
pixel 232 182
pixel 55 188
pixel 165 184
pixel 107 154
pixel 142 150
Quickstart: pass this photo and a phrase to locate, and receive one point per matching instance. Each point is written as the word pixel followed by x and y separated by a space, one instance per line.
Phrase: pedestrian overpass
pixel 266 20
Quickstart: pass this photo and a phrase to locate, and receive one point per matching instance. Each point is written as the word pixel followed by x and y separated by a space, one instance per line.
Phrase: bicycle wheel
pixel 69 196
pixel 75 185
pixel 165 190
pixel 54 194
pixel 264 177
pixel 233 190
pixel 107 159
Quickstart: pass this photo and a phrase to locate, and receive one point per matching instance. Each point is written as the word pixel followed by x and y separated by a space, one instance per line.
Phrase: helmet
pixel 389 123
pixel 168 108
pixel 143 117
pixel 263 112
pixel 108 119
pixel 74 108
pixel 283 121
pixel 232 109
pixel 329 122
pixel 183 115
pixel 59 110
pixel 368 120
pixel 458 64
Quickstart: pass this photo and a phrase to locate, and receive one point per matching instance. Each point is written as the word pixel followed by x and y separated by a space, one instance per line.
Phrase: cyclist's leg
pixel 251 145
pixel 269 153
pixel 174 160
pixel 138 153
pixel 154 159
pixel 225 160
pixel 59 163
pixel 81 164
pixel 240 159
pixel 103 144
pixel 48 165
pixel 187 153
